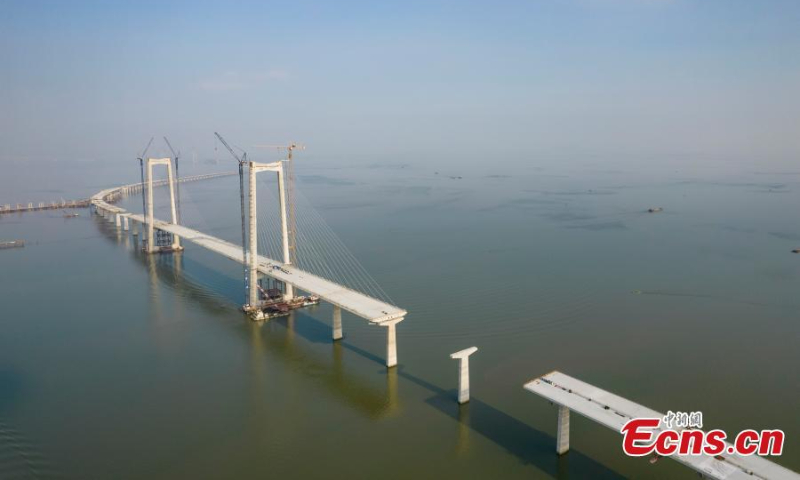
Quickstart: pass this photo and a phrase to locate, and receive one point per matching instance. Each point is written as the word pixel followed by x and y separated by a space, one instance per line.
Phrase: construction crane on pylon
pixel 242 161
pixel 290 196
pixel 141 170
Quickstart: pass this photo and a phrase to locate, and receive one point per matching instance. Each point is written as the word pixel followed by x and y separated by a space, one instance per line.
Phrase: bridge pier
pixel 337 323
pixel 391 342
pixel 463 373
pixel 117 220
pixel 125 224
pixel 562 431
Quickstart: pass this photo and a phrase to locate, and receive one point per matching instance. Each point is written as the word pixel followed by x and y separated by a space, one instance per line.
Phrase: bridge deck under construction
pixel 614 411
pixel 364 306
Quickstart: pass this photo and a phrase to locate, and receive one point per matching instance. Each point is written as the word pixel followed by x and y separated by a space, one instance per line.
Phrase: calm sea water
pixel 118 365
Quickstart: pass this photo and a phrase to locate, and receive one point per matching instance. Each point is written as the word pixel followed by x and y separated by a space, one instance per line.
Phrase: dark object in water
pixel 13 244
pixel 281 307
pixel 655 210
pixel 796 250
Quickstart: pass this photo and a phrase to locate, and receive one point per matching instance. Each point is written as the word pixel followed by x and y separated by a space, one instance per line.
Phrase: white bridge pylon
pixel 255 265
pixel 151 162
pixel 253 169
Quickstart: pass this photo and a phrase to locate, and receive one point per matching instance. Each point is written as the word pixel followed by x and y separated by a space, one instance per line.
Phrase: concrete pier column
pixel 463 369
pixel 391 342
pixel 117 220
pixel 110 216
pixel 562 432
pixel 125 224
pixel 337 323
pixel 135 232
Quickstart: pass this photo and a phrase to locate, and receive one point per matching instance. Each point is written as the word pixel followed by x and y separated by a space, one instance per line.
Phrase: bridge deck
pixel 355 302
pixel 614 411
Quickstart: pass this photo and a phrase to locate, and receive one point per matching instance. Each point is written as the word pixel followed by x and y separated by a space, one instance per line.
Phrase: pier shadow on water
pixel 330 374
pixel 529 445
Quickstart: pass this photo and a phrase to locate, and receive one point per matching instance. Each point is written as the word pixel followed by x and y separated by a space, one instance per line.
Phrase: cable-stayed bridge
pixel 330 273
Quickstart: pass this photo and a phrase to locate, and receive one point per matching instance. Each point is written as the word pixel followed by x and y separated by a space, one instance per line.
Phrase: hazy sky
pixel 424 80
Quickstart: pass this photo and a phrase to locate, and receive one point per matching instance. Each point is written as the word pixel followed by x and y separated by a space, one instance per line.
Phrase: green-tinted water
pixel 117 365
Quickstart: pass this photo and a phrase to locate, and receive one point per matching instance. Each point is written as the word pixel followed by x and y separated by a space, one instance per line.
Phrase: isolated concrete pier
pixel 463 372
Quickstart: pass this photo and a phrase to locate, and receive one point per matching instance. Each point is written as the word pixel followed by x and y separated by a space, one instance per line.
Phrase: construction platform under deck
pixel 614 411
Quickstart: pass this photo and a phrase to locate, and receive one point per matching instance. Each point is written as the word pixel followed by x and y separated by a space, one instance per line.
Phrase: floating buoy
pixel 655 210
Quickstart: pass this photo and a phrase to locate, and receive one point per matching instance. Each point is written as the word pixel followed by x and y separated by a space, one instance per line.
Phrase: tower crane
pixel 141 170
pixel 242 160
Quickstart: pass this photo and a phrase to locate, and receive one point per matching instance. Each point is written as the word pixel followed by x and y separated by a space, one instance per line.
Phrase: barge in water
pixel 273 304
